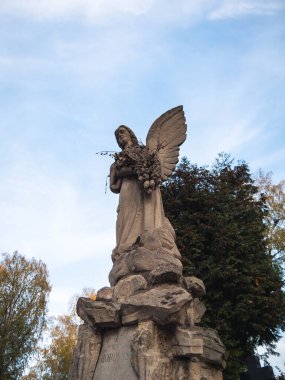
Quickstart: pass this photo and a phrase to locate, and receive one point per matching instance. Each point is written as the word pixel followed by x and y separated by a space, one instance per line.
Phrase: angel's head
pixel 125 136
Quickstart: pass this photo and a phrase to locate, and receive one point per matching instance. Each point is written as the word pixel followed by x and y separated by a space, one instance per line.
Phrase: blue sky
pixel 71 71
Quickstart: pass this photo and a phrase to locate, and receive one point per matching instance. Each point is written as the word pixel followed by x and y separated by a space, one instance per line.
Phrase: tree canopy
pixel 54 358
pixel 274 195
pixel 24 289
pixel 219 218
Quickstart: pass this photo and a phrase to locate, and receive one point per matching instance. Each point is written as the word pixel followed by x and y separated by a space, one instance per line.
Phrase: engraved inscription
pixel 115 357
pixel 108 357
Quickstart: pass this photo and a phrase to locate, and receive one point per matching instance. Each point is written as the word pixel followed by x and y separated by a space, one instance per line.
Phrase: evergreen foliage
pixel 218 217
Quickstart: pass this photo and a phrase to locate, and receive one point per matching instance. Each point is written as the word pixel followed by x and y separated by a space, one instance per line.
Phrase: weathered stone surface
pixel 166 235
pixel 186 344
pixel 153 366
pixel 200 343
pixel 205 349
pixel 120 269
pixel 140 260
pixel 144 339
pixel 150 250
pixel 151 355
pixel 114 362
pixel 165 256
pixel 202 371
pixel 199 310
pixel 99 313
pixel 86 353
pixel 214 351
pixel 105 294
pixel 148 351
pixel 165 273
pixel 154 354
pixel 195 286
pixel 149 241
pixel 129 286
pixel 164 304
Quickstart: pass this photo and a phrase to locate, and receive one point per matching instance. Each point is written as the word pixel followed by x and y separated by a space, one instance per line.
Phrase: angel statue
pixel 137 173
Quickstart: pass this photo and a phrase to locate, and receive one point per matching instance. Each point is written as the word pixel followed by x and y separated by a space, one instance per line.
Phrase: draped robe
pixel 138 212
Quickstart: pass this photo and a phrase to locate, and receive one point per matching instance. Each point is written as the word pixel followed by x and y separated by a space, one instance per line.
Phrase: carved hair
pixel 133 136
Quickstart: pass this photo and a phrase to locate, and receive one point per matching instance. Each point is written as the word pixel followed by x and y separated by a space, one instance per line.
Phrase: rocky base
pixel 136 331
pixel 148 352
pixel 150 251
pixel 144 326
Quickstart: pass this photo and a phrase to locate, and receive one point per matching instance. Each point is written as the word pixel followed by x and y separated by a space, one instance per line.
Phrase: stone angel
pixel 137 173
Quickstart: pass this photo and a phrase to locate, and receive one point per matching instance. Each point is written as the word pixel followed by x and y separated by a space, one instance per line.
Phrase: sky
pixel 71 71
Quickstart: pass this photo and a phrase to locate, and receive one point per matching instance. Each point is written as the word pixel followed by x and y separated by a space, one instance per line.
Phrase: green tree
pixel 24 289
pixel 219 221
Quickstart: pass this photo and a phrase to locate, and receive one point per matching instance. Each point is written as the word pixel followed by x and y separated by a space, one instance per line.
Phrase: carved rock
pixel 165 273
pixel 140 260
pixel 105 294
pixel 115 356
pixel 195 286
pixel 199 310
pixel 202 371
pixel 155 355
pixel 120 269
pixel 129 286
pixel 150 241
pixel 150 250
pixel 99 313
pixel 166 235
pixel 151 354
pixel 163 304
pixel 186 344
pixel 214 350
pixel 148 351
pixel 86 353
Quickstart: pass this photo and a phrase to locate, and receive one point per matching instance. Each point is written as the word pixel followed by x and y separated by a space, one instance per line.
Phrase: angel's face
pixel 123 137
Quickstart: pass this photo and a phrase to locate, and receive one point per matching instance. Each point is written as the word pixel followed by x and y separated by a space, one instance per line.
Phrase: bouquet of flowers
pixel 144 163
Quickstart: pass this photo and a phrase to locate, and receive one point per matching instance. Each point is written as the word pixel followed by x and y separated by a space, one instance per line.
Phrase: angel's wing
pixel 165 136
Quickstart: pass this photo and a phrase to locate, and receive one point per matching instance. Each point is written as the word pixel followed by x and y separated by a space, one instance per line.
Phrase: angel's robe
pixel 138 212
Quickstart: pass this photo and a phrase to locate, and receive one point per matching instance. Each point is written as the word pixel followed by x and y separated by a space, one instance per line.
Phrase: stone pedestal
pixel 144 327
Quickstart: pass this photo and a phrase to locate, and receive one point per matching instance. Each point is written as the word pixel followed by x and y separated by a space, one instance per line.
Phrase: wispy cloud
pixel 238 8
pixel 270 160
pixel 95 10
pixel 103 10
pixel 223 129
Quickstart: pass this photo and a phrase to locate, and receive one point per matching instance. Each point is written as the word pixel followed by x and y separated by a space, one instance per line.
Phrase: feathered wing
pixel 165 136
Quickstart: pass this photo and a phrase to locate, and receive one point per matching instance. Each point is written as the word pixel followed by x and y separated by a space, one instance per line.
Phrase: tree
pixel 275 219
pixel 219 221
pixel 54 359
pixel 24 289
